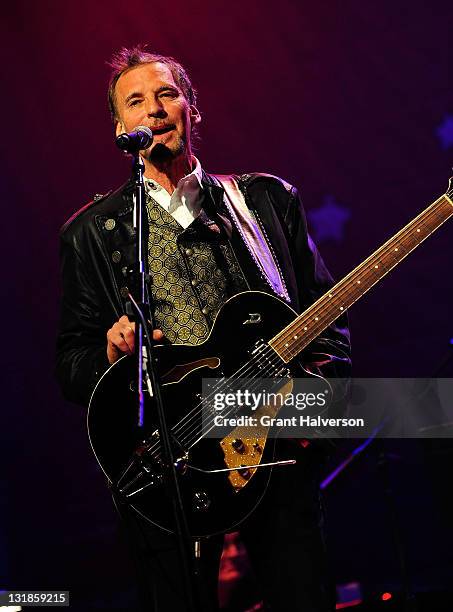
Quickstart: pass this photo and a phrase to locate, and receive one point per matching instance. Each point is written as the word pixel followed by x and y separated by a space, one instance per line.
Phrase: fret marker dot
pixel 376 266
pixel 396 248
pixel 316 319
pixel 305 328
pixel 418 230
pixel 330 295
pixel 295 337
pixel 341 308
pixel 286 344
pixel 358 282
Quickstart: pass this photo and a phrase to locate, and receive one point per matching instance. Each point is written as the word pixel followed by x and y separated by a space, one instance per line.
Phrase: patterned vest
pixel 194 271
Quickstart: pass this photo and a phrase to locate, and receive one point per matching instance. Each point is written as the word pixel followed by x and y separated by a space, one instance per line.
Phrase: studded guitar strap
pixel 253 235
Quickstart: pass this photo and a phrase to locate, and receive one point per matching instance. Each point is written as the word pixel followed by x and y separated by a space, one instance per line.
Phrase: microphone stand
pixel 147 374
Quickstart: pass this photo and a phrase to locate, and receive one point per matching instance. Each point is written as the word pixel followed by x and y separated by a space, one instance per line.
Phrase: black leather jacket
pixel 97 249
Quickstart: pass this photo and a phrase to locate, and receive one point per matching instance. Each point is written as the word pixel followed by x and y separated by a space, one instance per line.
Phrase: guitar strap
pixel 253 235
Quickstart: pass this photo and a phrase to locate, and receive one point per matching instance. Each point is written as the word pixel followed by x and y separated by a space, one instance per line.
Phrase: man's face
pixel 148 95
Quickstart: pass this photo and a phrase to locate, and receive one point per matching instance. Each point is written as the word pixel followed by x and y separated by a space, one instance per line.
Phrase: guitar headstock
pixel 450 188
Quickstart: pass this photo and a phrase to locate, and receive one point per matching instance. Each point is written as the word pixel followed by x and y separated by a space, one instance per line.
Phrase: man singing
pixel 199 254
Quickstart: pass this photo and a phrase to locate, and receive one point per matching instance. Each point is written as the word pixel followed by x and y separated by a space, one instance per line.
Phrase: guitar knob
pixel 155 479
pixel 245 473
pixel 201 501
pixel 238 445
pixel 181 465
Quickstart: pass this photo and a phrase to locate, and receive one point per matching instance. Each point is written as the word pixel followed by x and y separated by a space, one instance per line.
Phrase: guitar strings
pixel 243 372
pixel 207 419
pixel 155 455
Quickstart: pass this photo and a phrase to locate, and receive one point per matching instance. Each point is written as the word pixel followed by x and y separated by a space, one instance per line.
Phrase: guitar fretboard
pixel 310 324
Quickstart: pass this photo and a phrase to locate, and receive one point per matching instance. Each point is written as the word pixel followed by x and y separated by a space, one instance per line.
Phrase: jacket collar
pixel 212 190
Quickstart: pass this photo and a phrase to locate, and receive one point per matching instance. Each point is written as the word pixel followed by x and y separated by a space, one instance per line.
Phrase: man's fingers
pixel 121 338
pixel 117 339
pixel 124 320
pixel 122 345
pixel 128 333
pixel 122 335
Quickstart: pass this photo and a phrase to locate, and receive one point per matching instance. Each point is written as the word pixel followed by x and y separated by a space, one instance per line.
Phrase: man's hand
pixel 121 339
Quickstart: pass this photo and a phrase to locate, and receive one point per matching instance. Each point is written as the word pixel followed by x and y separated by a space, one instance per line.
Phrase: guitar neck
pixel 310 324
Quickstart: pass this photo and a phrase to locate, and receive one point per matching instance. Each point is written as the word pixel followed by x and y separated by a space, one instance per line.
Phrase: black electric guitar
pixel 255 335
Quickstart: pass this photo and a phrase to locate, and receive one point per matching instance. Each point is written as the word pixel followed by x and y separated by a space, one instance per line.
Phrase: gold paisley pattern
pixel 193 273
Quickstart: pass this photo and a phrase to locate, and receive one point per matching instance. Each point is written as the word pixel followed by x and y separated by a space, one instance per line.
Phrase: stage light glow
pixel 386 596
pixel 348 604
pixel 348 595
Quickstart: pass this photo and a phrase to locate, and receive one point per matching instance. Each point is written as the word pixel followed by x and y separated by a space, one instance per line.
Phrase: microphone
pixel 140 138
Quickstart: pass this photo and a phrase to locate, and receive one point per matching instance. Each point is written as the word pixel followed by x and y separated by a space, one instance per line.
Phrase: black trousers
pixel 284 539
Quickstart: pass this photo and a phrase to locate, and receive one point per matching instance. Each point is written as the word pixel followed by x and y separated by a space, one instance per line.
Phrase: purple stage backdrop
pixel 351 101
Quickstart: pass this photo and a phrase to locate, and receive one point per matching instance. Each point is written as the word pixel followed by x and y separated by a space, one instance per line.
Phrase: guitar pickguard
pixel 245 445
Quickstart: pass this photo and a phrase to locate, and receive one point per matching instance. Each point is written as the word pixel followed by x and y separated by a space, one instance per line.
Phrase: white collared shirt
pixel 184 203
